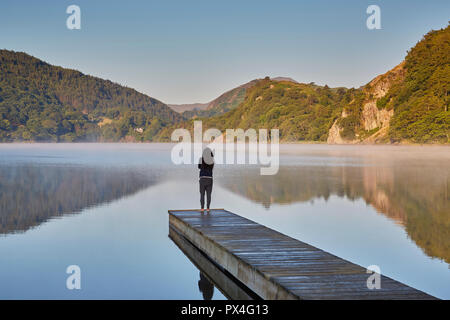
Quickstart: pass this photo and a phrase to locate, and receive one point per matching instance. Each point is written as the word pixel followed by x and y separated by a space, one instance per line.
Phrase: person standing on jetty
pixel 206 166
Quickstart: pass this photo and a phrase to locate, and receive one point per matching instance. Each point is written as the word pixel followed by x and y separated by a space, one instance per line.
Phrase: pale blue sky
pixel 192 51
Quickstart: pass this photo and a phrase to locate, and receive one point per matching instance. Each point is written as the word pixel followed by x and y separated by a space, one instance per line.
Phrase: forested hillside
pixel 222 104
pixel 302 112
pixel 41 102
pixel 407 104
pixel 422 101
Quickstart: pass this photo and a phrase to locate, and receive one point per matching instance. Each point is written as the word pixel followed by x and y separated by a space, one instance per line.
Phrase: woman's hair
pixel 208 157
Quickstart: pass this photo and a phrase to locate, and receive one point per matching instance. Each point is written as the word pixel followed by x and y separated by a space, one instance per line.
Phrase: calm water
pixel 104 208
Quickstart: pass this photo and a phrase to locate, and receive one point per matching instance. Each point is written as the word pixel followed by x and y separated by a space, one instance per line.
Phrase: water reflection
pixel 416 197
pixel 30 195
pixel 38 182
pixel 211 275
pixel 205 287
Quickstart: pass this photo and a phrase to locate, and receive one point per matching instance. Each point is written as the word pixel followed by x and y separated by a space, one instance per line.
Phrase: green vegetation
pixel 351 124
pixel 418 95
pixel 302 112
pixel 224 103
pixel 40 102
pixel 421 101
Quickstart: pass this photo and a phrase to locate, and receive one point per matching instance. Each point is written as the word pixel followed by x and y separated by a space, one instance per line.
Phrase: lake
pixel 104 207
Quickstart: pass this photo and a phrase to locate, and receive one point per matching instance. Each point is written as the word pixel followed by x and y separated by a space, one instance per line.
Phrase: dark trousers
pixel 206 185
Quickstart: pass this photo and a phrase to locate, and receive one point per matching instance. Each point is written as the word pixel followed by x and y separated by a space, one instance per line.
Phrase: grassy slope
pixel 302 112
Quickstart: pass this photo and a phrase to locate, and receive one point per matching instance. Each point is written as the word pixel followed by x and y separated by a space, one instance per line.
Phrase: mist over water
pixel 104 207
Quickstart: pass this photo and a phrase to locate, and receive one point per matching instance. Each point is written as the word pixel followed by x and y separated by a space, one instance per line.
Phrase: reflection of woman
pixel 206 165
pixel 205 287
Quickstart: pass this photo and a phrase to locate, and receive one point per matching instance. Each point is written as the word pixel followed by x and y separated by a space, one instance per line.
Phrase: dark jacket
pixel 206 170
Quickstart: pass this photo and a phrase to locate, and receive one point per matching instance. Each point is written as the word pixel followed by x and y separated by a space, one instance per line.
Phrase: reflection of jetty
pixel 227 284
pixel 265 263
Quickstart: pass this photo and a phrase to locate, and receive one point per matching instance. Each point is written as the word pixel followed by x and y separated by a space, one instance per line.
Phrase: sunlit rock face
pixel 371 116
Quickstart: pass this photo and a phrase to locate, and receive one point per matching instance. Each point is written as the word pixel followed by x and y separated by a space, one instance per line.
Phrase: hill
pixel 180 108
pixel 222 104
pixel 41 102
pixel 407 104
pixel 302 112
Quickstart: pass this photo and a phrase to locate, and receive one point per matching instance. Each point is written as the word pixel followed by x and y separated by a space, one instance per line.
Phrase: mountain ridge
pixel 407 104
pixel 223 103
pixel 180 108
pixel 42 102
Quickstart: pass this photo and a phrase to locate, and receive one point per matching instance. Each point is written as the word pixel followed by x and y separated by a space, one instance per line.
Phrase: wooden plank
pixel 276 266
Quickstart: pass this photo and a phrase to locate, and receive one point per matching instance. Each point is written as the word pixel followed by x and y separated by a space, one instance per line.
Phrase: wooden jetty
pixel 272 265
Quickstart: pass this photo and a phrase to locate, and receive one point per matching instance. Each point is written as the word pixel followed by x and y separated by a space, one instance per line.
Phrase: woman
pixel 206 165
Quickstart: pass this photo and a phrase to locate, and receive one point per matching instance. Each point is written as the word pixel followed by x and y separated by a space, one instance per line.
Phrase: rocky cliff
pixel 373 122
pixel 408 104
